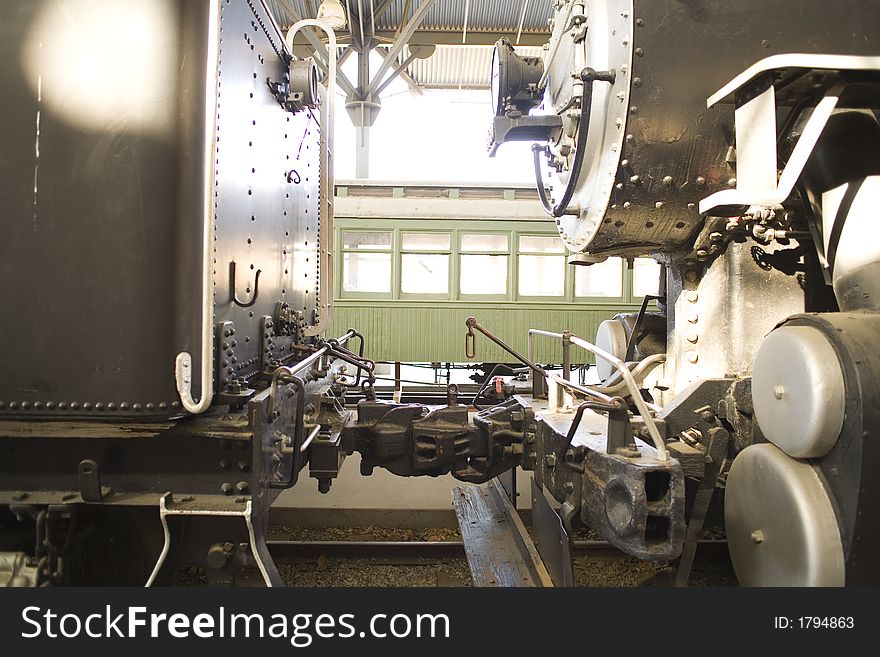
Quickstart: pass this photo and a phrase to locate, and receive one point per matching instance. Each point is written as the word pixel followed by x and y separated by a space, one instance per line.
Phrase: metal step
pixel 499 550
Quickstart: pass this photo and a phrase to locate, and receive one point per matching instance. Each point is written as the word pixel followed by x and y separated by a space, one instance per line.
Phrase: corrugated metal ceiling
pixel 482 15
pixel 451 66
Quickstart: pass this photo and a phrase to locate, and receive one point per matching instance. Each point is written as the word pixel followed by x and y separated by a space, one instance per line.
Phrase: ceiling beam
pixel 400 42
pixel 400 71
pixel 429 37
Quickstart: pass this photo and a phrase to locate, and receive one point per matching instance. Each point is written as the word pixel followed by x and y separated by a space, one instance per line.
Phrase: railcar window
pixel 424 263
pixel 604 279
pixel 366 262
pixel 646 277
pixel 484 264
pixel 541 263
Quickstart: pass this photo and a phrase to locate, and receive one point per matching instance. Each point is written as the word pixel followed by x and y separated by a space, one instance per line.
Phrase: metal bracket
pixel 234 294
pixel 754 92
pixel 90 482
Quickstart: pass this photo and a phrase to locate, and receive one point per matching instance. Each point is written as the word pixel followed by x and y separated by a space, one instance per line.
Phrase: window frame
pixel 397 227
pixel 509 253
pixel 566 292
pixel 625 285
pixel 400 252
pixel 341 292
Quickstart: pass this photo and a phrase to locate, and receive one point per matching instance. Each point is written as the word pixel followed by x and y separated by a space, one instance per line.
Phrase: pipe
pixel 588 76
pixel 183 373
pixel 324 319
pixel 621 367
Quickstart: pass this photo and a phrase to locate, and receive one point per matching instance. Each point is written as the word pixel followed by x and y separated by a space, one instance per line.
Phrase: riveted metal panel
pixel 104 214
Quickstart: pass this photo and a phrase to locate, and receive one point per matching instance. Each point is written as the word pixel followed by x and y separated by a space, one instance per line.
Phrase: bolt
pixel 757 536
pixel 634 179
pixel 550 460
pixel 702 253
pixel 778 392
pixel 715 237
pixel 217 557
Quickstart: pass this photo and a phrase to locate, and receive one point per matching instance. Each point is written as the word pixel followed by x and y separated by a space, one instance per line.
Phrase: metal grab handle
pixel 470 344
pixel 234 294
pixel 472 324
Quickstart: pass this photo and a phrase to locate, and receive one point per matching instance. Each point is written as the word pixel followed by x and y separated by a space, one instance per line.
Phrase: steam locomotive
pixel 166 242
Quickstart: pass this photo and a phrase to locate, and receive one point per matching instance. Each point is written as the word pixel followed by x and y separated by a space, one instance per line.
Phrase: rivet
pixel 74 406
pixel 87 406
pixel 137 407
pixel 163 406
pixel 634 179
pixel 244 466
pixel 151 406
pixel 99 406
pixel 242 487
pixel 624 163
pixel 111 406
pixel 640 52
pixel 731 182
pixel 693 318
pixel 692 296
pixel 692 337
pixel 226 488
pixel 667 180
pixel 175 404
pixel 757 536
pixel 701 181
pixel 692 356
pixel 124 406
pixel 659 205
pixel 225 464
pixel 50 405
pixel 637 82
pixel 626 204
pixel 629 137
pixel 618 186
pixel 62 406
pixel 2 404
pixel 779 392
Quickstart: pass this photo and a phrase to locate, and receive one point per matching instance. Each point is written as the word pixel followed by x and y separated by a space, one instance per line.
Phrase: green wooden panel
pixel 435 332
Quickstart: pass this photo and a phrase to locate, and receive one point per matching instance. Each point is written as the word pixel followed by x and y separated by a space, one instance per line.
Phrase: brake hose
pixel 588 77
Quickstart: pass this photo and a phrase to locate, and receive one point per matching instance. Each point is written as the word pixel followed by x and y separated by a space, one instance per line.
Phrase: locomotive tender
pixel 167 210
